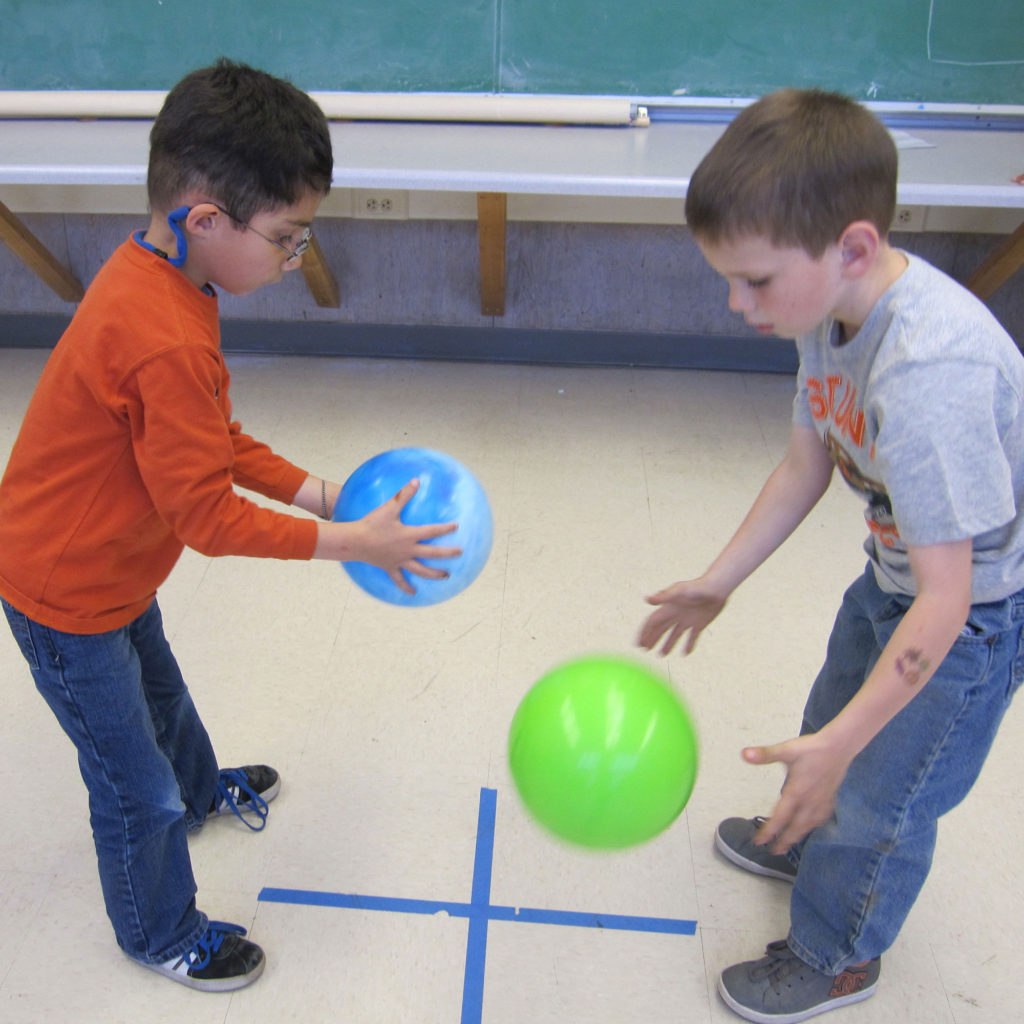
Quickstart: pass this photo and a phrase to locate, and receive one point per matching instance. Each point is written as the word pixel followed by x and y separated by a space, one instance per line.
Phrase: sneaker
pixel 734 839
pixel 781 989
pixel 220 961
pixel 245 790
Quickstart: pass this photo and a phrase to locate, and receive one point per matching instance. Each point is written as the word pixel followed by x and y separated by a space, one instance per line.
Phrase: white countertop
pixel 960 167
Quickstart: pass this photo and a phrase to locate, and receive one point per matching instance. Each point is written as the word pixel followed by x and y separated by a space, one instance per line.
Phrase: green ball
pixel 603 752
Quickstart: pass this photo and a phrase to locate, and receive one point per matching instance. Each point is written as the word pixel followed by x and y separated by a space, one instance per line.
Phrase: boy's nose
pixel 293 264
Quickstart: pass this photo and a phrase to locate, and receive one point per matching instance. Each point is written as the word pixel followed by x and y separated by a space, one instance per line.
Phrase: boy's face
pixel 243 260
pixel 779 291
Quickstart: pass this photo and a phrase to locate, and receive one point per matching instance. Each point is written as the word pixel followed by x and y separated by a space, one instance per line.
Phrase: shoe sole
pixel 793 1018
pixel 749 865
pixel 267 794
pixel 214 984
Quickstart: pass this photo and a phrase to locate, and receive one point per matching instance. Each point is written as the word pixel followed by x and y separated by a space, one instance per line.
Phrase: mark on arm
pixel 911 665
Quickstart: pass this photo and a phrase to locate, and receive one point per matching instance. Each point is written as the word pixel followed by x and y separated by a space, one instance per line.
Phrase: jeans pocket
pixel 21 629
pixel 1017 667
pixel 888 617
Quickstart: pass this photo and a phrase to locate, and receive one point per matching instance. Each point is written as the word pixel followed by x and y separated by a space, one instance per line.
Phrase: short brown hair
pixel 253 141
pixel 797 167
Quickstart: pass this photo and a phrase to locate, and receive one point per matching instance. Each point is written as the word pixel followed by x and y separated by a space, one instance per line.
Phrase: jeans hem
pixel 176 950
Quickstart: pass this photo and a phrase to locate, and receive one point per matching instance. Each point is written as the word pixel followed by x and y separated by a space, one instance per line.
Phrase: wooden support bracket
pixel 38 258
pixel 491 208
pixel 1004 261
pixel 319 277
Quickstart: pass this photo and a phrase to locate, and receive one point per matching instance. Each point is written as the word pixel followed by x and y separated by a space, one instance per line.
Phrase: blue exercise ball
pixel 448 493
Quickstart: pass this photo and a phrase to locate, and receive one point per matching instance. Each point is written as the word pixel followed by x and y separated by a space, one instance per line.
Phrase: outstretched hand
pixel 683 608
pixel 388 543
pixel 815 768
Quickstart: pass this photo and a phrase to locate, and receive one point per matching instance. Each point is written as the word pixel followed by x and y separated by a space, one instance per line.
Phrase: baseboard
pixel 462 344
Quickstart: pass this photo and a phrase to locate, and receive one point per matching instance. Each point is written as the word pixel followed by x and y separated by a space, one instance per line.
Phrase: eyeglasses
pixel 292 253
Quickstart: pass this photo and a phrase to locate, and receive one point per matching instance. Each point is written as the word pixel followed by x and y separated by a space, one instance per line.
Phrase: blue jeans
pixel 860 873
pixel 147 763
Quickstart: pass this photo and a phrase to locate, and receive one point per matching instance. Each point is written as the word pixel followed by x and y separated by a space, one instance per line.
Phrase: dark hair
pixel 797 167
pixel 253 141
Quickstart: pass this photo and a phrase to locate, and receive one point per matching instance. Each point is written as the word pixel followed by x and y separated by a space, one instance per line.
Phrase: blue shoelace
pixel 230 787
pixel 201 953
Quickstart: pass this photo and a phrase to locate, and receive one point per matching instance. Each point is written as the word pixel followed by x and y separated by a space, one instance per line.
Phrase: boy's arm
pixel 317 496
pixel 257 467
pixel 792 490
pixel 817 763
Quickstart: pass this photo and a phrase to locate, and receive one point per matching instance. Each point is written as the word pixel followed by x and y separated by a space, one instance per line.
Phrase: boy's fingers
pixel 432 551
pixel 398 578
pixel 691 640
pixel 437 530
pixel 427 572
pixel 760 755
pixel 403 496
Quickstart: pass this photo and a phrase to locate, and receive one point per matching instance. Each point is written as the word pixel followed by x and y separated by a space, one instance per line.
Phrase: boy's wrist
pixel 717 583
pixel 339 542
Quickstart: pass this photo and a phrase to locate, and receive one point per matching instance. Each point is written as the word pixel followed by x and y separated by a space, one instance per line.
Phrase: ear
pixel 858 247
pixel 202 219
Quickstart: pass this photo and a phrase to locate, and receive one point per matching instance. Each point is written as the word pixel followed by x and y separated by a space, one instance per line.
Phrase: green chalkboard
pixel 930 51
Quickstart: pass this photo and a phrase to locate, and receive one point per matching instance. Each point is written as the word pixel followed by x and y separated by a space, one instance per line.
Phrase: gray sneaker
pixel 781 989
pixel 734 839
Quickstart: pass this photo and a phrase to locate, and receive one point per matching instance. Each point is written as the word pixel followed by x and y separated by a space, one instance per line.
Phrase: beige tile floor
pixel 386 724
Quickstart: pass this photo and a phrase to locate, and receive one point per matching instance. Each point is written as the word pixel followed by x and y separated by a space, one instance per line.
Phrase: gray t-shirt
pixel 923 412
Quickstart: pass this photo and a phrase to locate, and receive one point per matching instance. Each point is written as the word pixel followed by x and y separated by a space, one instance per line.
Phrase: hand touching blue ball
pixel 448 492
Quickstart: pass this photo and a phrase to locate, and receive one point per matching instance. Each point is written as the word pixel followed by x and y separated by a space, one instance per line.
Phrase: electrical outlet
pixel 386 203
pixel 909 218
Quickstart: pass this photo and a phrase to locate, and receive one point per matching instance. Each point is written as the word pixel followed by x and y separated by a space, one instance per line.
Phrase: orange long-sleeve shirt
pixel 128 452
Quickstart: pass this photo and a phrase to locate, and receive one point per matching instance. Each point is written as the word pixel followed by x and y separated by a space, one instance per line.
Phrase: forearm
pixel 342 542
pixel 317 496
pixel 339 542
pixel 789 494
pixel 909 660
pixel 792 490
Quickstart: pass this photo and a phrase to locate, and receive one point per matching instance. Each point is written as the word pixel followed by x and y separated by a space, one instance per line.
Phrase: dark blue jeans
pixel 147 763
pixel 861 872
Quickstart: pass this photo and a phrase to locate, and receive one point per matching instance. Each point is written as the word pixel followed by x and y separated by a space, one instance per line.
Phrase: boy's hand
pixel 687 606
pixel 382 539
pixel 815 769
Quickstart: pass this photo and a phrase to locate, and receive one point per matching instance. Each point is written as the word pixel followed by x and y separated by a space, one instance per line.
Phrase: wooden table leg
pixel 38 258
pixel 319 277
pixel 1004 261
pixel 491 208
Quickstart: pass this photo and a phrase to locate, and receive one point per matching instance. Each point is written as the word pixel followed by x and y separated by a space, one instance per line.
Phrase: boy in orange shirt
pixel 239 164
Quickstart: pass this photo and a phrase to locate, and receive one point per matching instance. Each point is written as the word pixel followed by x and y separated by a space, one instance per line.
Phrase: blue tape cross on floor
pixel 480 911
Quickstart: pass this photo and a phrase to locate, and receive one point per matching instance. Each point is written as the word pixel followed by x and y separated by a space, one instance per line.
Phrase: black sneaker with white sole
pixel 734 839
pixel 246 790
pixel 221 961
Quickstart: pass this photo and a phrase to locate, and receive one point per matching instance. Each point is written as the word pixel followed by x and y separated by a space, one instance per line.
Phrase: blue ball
pixel 448 493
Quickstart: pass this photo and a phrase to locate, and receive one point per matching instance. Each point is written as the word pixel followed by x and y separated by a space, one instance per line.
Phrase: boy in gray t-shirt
pixel 909 386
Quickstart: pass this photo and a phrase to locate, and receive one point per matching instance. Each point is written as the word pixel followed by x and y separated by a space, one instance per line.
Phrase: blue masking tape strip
pixel 352 901
pixel 480 911
pixel 516 915
pixel 618 922
pixel 476 944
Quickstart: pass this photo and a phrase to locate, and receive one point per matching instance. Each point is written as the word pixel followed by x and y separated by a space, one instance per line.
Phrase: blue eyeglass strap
pixel 174 219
